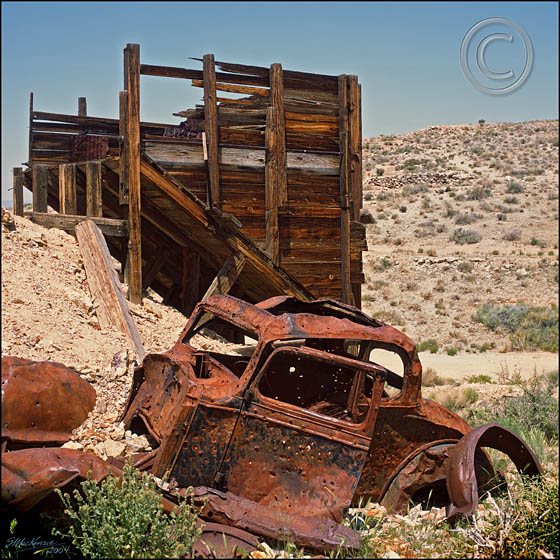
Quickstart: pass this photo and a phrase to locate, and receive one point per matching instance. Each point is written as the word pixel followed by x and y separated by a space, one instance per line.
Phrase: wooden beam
pixel 94 203
pixel 132 139
pixel 82 107
pixel 104 285
pixel 271 195
pixel 245 90
pixel 277 101
pixel 109 226
pixel 18 191
pixel 345 289
pixel 67 188
pixel 155 264
pixel 30 137
pixel 40 187
pixel 354 147
pixel 191 280
pixel 227 276
pixel 211 129
pixel 123 160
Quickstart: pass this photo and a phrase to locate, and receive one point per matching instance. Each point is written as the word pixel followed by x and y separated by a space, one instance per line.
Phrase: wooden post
pixel 82 107
pixel 132 140
pixel 40 187
pixel 94 204
pixel 104 285
pixel 211 129
pixel 30 140
pixel 355 147
pixel 277 101
pixel 123 159
pixel 227 276
pixel 191 280
pixel 271 178
pixel 346 293
pixel 155 264
pixel 67 188
pixel 18 191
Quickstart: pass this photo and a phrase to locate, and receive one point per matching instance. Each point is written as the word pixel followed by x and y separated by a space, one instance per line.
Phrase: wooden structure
pixel 266 190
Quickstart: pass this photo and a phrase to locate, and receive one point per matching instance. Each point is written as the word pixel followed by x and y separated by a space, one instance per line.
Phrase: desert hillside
pixel 462 216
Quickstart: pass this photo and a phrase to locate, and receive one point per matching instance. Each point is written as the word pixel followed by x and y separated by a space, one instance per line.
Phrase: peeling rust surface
pixel 317 533
pixel 42 402
pixel 30 475
pixel 461 479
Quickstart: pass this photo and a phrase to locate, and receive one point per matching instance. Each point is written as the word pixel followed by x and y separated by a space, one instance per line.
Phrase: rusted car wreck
pixel 284 404
pixel 281 416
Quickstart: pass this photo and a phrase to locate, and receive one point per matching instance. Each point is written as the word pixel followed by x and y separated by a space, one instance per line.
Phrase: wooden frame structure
pixel 264 199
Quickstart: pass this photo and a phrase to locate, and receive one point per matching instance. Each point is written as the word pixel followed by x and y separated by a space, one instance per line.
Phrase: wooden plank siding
pixel 295 187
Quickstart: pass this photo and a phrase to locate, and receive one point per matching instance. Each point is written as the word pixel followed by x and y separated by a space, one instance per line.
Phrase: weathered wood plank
pixel 40 187
pixel 354 147
pixel 188 74
pixel 104 285
pixel 345 292
pixel 277 101
pixel 30 135
pixel 90 122
pixel 155 264
pixel 271 185
pixel 67 222
pixel 82 107
pixel 18 191
pixel 185 155
pixel 67 189
pixel 132 138
pixel 233 88
pixel 227 276
pixel 94 203
pixel 211 129
pixel 124 159
pixel 190 287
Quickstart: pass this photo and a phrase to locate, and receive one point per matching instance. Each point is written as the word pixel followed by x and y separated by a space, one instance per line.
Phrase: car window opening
pixel 319 386
pixel 226 343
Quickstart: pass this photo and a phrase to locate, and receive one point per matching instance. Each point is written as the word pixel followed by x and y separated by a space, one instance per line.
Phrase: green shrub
pixel 529 327
pixel 535 408
pixel 514 187
pixel 430 378
pixel 536 526
pixel 481 378
pixel 464 219
pixel 429 344
pixel 126 520
pixel 538 242
pixel 379 171
pixel 462 236
pixel 479 192
pixel 451 351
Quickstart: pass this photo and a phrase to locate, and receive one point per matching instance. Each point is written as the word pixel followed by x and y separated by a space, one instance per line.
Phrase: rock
pixel 73 445
pixel 390 554
pixel 114 448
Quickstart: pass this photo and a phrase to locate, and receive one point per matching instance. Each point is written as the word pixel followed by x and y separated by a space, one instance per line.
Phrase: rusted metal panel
pixel 313 532
pixel 42 402
pixel 30 475
pixel 461 472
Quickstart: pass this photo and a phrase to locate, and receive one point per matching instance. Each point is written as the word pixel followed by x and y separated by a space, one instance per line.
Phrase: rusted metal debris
pixel 29 477
pixel 292 391
pixel 42 402
pixel 461 481
pixel 282 415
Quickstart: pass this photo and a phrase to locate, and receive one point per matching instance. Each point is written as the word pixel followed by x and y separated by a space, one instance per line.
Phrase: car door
pixel 304 432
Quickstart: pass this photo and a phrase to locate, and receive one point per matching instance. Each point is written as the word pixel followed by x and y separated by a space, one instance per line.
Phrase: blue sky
pixel 406 56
